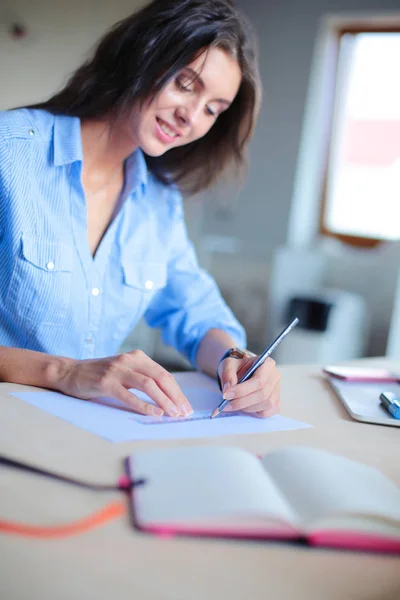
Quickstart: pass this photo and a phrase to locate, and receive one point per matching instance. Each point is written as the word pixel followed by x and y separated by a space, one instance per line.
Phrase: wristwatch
pixel 233 353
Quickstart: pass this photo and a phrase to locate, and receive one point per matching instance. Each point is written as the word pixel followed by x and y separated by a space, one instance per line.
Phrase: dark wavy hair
pixel 141 53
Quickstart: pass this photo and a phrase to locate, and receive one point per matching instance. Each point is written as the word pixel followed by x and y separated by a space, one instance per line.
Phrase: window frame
pixel 353 29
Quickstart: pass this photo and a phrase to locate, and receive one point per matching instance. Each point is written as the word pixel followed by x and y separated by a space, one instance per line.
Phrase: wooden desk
pixel 115 562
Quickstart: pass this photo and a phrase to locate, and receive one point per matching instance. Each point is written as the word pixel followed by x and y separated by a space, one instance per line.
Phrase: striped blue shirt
pixel 55 297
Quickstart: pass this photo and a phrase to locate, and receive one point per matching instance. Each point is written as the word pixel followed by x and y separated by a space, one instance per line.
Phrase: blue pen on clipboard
pixel 391 402
pixel 260 360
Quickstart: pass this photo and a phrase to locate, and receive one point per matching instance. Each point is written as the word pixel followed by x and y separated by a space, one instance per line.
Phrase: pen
pixel 392 403
pixel 261 360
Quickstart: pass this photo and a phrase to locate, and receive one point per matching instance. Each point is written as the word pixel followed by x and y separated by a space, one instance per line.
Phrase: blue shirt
pixel 55 297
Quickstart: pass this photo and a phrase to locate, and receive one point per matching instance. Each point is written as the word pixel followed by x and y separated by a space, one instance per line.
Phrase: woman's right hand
pixel 114 375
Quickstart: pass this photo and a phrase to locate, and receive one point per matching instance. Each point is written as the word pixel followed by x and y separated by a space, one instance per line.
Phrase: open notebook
pixel 292 493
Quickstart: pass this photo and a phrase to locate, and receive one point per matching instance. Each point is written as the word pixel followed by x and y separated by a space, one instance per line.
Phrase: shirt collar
pixel 136 172
pixel 68 149
pixel 67 141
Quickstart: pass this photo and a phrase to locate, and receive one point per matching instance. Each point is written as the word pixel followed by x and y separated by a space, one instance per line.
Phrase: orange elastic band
pixel 108 513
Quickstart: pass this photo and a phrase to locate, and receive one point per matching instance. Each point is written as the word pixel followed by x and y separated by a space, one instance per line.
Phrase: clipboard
pixel 361 400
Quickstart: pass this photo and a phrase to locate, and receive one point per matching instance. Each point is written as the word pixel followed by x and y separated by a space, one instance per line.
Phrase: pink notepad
pixel 291 494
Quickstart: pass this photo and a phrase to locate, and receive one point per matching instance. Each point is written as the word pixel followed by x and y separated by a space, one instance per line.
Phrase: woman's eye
pixel 183 84
pixel 210 112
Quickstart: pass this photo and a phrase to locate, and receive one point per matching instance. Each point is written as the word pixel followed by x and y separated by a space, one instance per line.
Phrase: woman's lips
pixel 165 132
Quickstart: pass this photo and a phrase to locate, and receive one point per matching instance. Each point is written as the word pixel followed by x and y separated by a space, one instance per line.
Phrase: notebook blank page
pixel 320 484
pixel 204 485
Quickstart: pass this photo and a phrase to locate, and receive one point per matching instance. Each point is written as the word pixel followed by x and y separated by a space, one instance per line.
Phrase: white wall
pixel 60 33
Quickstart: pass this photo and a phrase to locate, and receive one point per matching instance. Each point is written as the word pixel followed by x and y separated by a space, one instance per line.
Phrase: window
pixel 362 190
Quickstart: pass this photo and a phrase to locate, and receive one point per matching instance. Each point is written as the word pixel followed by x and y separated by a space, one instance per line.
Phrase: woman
pixel 92 234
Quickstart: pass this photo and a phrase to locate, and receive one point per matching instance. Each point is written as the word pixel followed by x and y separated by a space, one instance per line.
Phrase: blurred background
pixel 315 230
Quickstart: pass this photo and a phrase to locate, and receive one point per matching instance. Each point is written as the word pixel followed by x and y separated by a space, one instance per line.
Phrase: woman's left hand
pixel 259 395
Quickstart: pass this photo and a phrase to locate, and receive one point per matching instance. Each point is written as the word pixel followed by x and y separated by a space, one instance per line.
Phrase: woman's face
pixel 188 106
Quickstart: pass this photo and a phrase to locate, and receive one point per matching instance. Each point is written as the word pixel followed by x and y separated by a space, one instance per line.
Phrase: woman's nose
pixel 187 114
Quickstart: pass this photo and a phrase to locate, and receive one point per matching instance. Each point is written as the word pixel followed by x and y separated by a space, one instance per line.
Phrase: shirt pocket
pixel 141 281
pixel 40 286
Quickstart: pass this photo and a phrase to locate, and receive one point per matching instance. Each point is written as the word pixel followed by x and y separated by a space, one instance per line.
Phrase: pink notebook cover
pixel 329 539
pixel 346 540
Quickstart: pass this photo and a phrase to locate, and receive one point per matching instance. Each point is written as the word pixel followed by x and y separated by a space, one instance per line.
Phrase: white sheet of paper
pixel 109 418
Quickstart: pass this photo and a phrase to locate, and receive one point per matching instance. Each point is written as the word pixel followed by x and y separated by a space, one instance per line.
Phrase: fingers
pixel 113 376
pixel 151 388
pixel 267 372
pixel 228 373
pixel 155 381
pixel 167 383
pixel 135 403
pixel 261 411
pixel 263 402
pixel 159 384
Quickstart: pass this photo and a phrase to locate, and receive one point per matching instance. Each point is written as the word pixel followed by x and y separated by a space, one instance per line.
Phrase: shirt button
pixel 89 340
pixel 95 291
pixel 31 132
pixel 50 265
pixel 149 284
